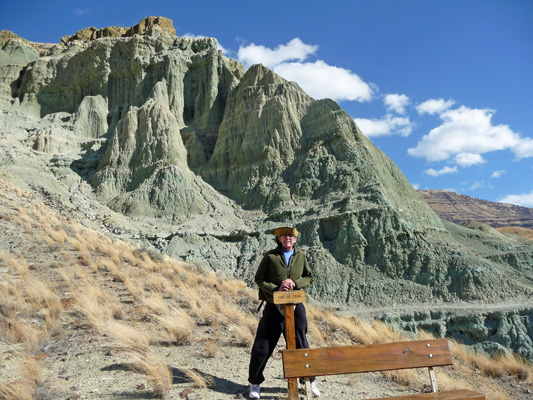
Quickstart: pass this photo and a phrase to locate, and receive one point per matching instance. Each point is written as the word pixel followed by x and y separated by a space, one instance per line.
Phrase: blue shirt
pixel 288 255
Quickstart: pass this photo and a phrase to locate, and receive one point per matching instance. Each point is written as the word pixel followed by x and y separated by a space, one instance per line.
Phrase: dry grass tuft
pixel 18 390
pixel 126 337
pixel 210 348
pixel 25 387
pixel 155 304
pixel 32 337
pixel 53 317
pixel 15 264
pixel 200 380
pixel 244 336
pixel 178 324
pixel 134 289
pixel 155 369
pixel 517 366
pixel 91 301
pixel 59 236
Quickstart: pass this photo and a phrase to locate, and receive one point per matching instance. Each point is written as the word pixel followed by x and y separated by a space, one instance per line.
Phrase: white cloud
pixel 477 185
pixel 317 78
pixel 444 171
pixel 321 80
pixel 396 102
pixel 497 174
pixel 469 159
pixel 294 50
pixel 434 106
pixel 387 125
pixel 465 130
pixel 524 149
pixel 525 200
pixel 416 186
pixel 80 11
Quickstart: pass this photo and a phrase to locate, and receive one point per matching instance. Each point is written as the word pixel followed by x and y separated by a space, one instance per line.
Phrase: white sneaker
pixel 254 391
pixel 314 389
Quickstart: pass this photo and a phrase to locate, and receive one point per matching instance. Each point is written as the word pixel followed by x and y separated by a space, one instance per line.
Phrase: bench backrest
pixel 301 363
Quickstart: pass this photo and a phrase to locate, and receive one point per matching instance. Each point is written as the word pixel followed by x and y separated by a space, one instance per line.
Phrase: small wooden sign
pixel 290 297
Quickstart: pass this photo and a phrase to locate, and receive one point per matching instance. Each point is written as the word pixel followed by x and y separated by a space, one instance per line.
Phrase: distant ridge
pixel 459 209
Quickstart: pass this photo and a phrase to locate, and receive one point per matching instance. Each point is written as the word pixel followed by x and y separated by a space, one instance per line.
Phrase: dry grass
pixel 517 231
pixel 157 371
pixel 330 328
pixel 91 301
pixel 178 324
pixel 135 299
pixel 210 348
pixel 14 264
pixel 25 387
pixel 496 367
pixel 127 337
pixel 200 380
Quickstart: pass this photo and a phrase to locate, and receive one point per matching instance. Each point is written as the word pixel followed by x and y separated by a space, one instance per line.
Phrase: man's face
pixel 287 241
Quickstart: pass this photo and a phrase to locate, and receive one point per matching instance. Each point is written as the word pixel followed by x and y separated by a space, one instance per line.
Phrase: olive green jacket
pixel 273 270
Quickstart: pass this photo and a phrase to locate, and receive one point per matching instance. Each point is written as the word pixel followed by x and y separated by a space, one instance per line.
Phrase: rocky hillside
pixel 164 141
pixel 459 209
pixel 84 315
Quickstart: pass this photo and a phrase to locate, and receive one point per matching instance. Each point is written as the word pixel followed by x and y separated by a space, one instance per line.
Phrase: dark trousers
pixel 271 326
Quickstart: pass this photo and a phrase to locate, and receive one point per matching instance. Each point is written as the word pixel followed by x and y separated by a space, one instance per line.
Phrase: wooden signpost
pixel 289 299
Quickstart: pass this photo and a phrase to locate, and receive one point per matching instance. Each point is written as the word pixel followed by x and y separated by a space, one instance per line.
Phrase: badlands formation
pixel 164 141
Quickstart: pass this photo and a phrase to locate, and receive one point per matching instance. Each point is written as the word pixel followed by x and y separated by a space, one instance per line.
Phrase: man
pixel 283 268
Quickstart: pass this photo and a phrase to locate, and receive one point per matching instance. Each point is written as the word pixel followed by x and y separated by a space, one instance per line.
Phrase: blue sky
pixel 444 88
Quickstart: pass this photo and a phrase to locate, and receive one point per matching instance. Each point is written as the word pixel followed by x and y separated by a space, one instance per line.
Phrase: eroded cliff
pixel 172 143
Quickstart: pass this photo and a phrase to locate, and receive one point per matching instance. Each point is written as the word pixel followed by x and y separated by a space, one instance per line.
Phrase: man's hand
pixel 287 284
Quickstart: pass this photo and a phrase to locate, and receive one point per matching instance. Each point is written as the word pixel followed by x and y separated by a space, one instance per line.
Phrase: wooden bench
pixel 305 363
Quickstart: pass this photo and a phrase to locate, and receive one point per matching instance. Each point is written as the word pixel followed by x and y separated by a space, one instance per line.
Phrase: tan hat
pixel 286 230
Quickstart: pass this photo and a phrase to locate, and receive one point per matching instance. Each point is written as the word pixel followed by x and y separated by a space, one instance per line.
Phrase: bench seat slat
pixel 449 395
pixel 302 363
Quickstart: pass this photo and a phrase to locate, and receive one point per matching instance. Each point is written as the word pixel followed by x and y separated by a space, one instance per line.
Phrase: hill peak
pixel 145 26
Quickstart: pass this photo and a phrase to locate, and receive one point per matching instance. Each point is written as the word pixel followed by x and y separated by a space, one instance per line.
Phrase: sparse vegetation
pixel 199 380
pixel 137 301
pixel 517 231
pixel 30 378
pixel 154 368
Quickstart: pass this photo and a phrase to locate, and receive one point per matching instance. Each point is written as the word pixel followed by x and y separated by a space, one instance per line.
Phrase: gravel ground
pixel 73 369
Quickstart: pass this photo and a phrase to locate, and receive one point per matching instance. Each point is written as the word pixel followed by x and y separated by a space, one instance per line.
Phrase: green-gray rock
pixel 172 143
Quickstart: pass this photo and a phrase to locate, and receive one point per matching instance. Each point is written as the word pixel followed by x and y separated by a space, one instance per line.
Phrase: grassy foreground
pixel 57 275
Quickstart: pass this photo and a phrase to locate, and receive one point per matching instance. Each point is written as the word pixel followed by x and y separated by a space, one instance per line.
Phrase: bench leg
pixel 433 380
pixel 308 391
